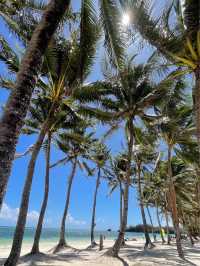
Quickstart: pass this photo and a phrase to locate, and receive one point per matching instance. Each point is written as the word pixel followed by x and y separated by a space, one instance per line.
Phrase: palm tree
pixel 141 200
pixel 127 99
pixel 143 156
pixel 178 42
pixel 176 127
pixel 76 144
pixel 32 125
pixel 115 177
pixel 49 122
pixel 15 111
pixel 35 247
pixel 99 156
pixel 154 191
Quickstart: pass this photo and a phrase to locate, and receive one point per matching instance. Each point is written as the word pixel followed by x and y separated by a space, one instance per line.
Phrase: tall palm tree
pixel 127 99
pixel 47 106
pixel 99 156
pixel 60 121
pixel 115 177
pixel 143 156
pixel 147 237
pixel 35 247
pixel 76 144
pixel 15 111
pixel 154 191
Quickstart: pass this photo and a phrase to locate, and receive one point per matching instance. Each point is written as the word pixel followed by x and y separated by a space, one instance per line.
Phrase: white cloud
pixel 72 220
pixel 33 216
pixel 9 214
pixel 100 220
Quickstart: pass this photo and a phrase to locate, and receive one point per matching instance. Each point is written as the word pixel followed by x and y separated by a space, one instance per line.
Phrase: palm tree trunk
pixel 173 205
pixel 19 99
pixel 35 248
pixel 151 221
pixel 62 241
pixel 159 224
pixel 21 221
pixel 121 207
pixel 93 243
pixel 114 251
pixel 197 107
pixel 197 118
pixel 167 225
pixel 147 237
pixel 121 203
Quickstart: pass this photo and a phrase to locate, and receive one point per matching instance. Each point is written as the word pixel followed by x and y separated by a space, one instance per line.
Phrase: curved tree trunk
pixel 173 205
pixel 35 248
pixel 114 251
pixel 21 221
pixel 149 214
pixel 62 241
pixel 19 99
pixel 148 242
pixel 159 224
pixel 93 243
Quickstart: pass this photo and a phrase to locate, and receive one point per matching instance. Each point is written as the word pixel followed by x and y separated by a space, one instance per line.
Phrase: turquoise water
pixel 52 234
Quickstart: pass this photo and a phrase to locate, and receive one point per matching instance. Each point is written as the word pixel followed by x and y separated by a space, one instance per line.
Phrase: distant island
pixel 139 228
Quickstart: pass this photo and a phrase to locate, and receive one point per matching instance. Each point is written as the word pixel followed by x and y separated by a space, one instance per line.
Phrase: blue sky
pixel 83 187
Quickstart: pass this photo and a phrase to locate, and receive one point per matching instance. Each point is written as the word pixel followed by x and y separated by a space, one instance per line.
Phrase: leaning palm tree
pixel 38 113
pixel 61 121
pixel 48 103
pixel 99 155
pixel 35 248
pixel 15 111
pixel 76 144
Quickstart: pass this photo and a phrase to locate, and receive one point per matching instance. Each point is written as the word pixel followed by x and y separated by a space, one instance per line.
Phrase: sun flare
pixel 125 19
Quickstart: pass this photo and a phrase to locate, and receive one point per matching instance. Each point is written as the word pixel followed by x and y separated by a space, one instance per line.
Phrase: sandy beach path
pixel 131 255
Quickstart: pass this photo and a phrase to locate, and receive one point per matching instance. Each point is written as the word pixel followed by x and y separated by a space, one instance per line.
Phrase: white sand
pixel 131 255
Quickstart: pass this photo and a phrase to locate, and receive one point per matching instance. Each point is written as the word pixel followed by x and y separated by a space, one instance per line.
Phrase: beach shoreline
pixel 131 254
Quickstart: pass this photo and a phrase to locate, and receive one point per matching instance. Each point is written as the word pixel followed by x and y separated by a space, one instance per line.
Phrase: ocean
pixel 52 235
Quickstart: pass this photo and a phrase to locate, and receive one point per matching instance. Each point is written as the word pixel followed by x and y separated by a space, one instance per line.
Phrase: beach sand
pixel 130 255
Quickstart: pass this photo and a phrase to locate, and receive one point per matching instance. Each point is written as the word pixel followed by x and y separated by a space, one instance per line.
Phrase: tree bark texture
pixel 17 105
pixel 21 221
pixel 93 243
pixel 35 248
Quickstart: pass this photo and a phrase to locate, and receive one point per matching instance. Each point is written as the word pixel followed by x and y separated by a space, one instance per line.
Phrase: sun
pixel 125 19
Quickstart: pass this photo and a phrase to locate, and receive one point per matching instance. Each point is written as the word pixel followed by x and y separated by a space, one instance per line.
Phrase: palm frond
pixel 114 39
